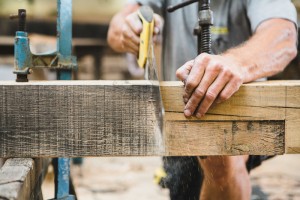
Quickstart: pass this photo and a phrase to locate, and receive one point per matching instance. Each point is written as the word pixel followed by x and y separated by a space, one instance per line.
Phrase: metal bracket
pixel 63 61
pixel 60 60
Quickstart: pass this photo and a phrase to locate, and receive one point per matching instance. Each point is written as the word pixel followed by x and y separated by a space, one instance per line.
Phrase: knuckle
pixel 125 31
pixel 215 67
pixel 179 74
pixel 205 57
pixel 198 62
pixel 190 85
pixel 210 95
pixel 193 103
pixel 127 35
pixel 128 19
pixel 239 80
pixel 123 41
pixel 218 66
pixel 199 92
pixel 202 58
pixel 227 73
pixel 223 97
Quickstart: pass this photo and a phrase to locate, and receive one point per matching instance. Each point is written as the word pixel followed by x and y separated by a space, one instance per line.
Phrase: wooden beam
pixel 293 120
pixel 115 118
pixel 21 178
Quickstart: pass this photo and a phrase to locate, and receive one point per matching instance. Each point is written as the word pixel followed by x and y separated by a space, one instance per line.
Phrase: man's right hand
pixel 130 33
pixel 126 27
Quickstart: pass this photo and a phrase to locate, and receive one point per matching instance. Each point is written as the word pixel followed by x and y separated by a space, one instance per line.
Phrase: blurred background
pixel 118 178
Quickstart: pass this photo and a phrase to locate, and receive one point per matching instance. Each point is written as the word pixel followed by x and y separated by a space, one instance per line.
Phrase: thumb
pixel 183 72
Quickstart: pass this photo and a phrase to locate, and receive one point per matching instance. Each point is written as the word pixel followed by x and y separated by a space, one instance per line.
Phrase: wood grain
pixel 78 119
pixel 21 178
pixel 253 101
pixel 293 121
pixel 230 138
pixel 115 118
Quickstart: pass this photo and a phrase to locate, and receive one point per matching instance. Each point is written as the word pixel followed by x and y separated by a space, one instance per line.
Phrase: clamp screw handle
pixel 21 16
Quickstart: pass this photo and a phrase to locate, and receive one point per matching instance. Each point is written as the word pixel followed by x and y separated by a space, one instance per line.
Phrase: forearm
pixel 268 52
pixel 114 36
pixel 215 78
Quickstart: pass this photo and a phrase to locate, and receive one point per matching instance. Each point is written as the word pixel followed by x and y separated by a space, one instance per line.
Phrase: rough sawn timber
pixel 115 118
pixel 21 178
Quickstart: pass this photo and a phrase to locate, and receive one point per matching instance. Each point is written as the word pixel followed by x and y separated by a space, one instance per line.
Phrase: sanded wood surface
pixel 116 118
pixel 21 178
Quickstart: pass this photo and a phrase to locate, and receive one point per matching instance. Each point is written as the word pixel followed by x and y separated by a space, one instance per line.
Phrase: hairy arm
pixel 215 78
pixel 269 51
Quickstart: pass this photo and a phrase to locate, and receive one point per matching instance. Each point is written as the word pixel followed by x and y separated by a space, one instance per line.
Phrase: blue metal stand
pixel 61 60
pixel 64 45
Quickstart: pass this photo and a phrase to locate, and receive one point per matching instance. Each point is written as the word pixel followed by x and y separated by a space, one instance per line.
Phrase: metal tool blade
pixel 156 101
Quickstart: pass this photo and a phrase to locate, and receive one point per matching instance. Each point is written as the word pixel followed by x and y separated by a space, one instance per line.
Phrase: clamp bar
pixel 180 5
pixel 64 48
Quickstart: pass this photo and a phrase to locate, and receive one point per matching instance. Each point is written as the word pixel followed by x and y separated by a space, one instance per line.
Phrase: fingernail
pixel 156 30
pixel 198 115
pixel 187 113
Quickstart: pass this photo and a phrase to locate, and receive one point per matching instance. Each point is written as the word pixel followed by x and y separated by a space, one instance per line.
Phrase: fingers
pixel 195 75
pixel 209 80
pixel 128 46
pixel 130 33
pixel 183 72
pixel 134 22
pixel 231 88
pixel 202 92
pixel 211 94
pixel 129 40
pixel 132 29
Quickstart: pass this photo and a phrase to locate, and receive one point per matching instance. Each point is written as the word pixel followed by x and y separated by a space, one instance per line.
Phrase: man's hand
pixel 130 32
pixel 209 79
pixel 215 78
pixel 125 29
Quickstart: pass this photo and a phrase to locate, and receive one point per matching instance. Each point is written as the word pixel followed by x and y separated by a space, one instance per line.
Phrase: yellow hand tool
pixel 146 60
pixel 145 14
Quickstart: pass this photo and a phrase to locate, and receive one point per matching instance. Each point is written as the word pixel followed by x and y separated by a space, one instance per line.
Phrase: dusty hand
pixel 131 30
pixel 209 79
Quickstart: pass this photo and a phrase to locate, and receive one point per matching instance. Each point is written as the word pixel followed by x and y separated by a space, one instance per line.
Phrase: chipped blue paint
pixel 64 27
pixel 63 179
pixel 24 60
pixel 22 53
pixel 61 59
pixel 64 48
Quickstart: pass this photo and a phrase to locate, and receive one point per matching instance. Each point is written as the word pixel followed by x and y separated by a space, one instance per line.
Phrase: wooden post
pixel 21 178
pixel 114 118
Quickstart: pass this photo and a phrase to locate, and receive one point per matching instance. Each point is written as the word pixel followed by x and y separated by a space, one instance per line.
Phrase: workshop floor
pixel 132 179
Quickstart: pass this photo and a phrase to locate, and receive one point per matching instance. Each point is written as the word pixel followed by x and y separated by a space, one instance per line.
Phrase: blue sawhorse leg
pixel 64 48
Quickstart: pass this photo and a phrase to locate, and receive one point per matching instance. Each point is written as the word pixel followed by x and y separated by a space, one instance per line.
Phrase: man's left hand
pixel 209 79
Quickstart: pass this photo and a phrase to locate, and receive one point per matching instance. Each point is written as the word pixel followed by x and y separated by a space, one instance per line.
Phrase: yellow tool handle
pixel 145 13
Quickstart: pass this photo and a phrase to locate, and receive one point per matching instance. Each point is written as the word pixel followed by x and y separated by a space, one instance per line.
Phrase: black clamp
pixel 205 21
